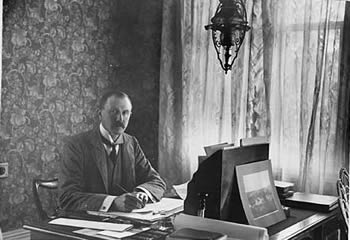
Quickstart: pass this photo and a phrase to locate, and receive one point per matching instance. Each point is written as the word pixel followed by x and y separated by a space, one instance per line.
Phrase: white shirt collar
pixel 106 135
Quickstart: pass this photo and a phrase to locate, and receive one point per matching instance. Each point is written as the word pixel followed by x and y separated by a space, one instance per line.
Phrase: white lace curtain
pixel 285 85
pixel 305 94
pixel 1 24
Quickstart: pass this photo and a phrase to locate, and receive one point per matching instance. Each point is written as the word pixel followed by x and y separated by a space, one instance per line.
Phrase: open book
pixel 150 213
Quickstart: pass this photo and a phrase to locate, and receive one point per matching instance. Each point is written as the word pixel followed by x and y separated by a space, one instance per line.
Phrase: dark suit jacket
pixel 83 176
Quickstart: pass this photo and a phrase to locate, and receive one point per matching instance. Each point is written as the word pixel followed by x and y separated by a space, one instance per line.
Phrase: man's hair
pixel 109 93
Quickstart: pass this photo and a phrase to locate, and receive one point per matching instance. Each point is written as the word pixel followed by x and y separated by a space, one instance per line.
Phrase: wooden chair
pixel 343 193
pixel 49 184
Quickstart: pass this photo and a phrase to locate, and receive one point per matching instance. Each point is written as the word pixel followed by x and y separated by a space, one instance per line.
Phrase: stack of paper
pixel 110 235
pixel 164 206
pixel 181 190
pixel 150 213
pixel 91 224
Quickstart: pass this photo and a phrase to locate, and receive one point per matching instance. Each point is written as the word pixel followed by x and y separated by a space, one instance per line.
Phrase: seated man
pixel 104 169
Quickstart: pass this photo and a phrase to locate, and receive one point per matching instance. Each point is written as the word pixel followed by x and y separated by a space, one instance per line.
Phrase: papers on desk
pixel 92 233
pixel 91 224
pixel 121 234
pixel 110 235
pixel 181 190
pixel 165 205
pixel 150 213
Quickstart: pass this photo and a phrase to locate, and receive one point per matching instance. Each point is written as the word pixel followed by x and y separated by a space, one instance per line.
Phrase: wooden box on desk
pixel 216 177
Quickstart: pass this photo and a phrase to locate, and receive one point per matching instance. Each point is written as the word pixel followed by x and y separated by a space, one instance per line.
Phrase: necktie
pixel 113 154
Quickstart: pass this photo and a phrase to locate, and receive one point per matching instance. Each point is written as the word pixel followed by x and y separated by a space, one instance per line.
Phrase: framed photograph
pixel 258 194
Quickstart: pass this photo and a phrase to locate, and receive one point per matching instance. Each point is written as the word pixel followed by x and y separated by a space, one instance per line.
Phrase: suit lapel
pixel 100 156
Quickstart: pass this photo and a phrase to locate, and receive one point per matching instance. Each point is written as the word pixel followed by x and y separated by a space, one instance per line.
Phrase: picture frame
pixel 258 194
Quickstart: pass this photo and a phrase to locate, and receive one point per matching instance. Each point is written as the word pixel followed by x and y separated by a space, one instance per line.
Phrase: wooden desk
pixel 45 231
pixel 316 226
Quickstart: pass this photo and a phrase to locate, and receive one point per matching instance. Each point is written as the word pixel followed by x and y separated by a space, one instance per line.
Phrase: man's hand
pixel 127 202
pixel 142 196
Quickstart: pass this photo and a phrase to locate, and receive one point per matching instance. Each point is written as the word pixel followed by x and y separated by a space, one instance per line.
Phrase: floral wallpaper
pixel 58 55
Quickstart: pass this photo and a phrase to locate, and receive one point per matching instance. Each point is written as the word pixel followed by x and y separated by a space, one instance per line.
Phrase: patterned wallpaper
pixel 57 57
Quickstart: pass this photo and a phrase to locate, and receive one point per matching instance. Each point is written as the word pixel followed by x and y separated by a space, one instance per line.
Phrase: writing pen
pixel 161 212
pixel 121 188
pixel 138 196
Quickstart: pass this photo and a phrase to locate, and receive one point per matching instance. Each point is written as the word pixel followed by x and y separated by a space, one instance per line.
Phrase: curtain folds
pixel 195 97
pixel 343 120
pixel 285 84
pixel 1 24
pixel 304 109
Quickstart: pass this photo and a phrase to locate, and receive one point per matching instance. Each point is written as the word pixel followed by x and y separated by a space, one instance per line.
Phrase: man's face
pixel 116 114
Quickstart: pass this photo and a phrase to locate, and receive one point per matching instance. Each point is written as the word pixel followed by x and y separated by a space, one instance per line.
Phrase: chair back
pixel 49 184
pixel 343 193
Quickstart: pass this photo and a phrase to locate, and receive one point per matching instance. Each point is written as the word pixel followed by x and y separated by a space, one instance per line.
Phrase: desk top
pixel 55 232
pixel 299 221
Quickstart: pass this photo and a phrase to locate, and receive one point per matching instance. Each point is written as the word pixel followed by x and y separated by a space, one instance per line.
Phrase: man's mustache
pixel 119 124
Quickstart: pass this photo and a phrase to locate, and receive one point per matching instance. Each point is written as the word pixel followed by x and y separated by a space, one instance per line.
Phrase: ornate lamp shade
pixel 229 26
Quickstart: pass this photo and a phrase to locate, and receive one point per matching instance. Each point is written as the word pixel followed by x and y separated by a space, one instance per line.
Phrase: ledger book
pixel 317 202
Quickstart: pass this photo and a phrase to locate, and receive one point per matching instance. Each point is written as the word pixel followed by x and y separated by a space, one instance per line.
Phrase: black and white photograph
pixel 259 193
pixel 117 116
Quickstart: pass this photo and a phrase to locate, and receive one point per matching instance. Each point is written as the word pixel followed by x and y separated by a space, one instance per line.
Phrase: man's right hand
pixel 126 203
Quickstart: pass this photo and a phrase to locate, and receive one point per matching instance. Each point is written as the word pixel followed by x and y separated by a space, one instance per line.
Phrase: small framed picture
pixel 258 194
